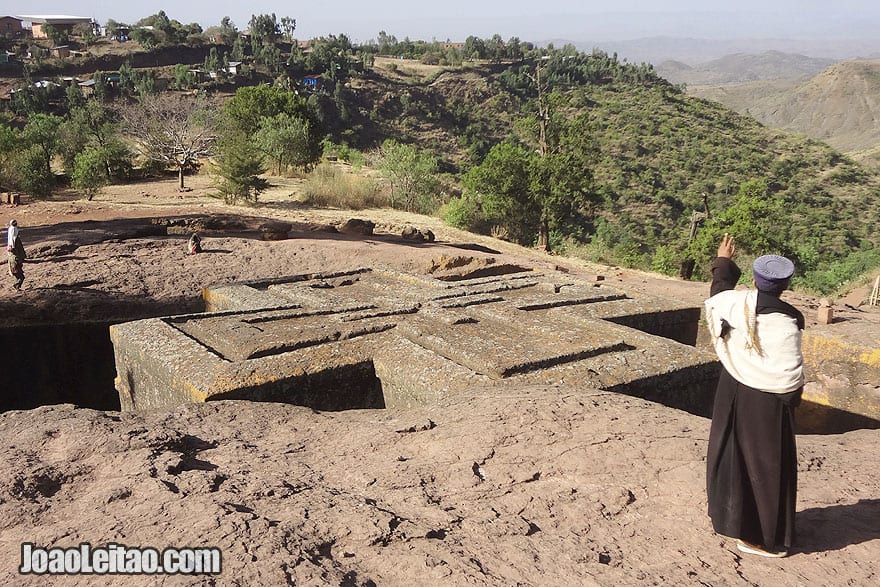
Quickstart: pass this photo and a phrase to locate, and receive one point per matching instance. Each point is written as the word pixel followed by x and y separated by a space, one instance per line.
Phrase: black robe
pixel 751 466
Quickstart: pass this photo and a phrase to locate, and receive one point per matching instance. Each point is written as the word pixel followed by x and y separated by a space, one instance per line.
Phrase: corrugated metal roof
pixel 49 18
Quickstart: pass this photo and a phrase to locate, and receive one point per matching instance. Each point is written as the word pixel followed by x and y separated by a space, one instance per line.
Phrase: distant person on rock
pixel 15 254
pixel 751 475
pixel 195 245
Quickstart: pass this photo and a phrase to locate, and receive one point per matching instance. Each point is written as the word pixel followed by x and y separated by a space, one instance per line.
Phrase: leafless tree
pixel 172 128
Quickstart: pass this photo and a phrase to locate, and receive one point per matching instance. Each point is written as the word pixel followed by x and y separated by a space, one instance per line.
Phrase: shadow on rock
pixel 837 526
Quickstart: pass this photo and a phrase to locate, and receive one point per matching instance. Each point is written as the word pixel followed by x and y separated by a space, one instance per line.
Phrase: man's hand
pixel 727 248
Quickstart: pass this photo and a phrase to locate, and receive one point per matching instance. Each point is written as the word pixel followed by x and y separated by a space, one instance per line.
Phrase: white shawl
pixel 761 351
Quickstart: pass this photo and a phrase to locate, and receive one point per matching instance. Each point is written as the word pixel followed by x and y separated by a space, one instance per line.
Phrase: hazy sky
pixel 532 20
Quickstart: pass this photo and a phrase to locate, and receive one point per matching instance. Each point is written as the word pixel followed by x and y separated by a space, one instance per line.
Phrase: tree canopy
pixel 172 129
pixel 245 111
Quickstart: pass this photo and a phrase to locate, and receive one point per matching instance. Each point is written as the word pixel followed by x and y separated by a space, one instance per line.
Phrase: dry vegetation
pixel 410 69
pixel 338 186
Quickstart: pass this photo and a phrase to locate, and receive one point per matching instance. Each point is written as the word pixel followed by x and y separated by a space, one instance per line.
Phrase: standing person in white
pixel 15 254
pixel 751 466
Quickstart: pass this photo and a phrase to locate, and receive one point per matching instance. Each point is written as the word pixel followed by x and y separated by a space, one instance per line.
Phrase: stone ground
pixel 536 487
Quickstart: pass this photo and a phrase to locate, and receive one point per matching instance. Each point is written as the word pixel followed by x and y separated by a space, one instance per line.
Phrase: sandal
pixel 748 548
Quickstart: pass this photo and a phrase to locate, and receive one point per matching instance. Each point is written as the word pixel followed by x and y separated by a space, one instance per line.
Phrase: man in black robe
pixel 751 476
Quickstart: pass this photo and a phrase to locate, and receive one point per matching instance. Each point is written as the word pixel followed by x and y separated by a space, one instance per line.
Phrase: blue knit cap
pixel 772 273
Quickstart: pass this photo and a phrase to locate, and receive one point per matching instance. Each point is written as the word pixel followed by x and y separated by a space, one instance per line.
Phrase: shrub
pixel 837 274
pixel 665 261
pixel 594 251
pixel 500 232
pixel 461 213
pixel 344 152
pixel 413 176
pixel 90 171
pixel 238 170
pixel 33 175
pixel 119 160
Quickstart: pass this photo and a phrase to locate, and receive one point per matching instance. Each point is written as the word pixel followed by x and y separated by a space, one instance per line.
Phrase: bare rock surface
pixel 532 488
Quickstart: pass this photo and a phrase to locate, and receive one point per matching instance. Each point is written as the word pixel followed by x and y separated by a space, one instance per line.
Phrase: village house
pixel 62 51
pixel 87 87
pixel 198 75
pixel 202 75
pixel 10 27
pixel 61 22
pixel 110 80
pixel 35 52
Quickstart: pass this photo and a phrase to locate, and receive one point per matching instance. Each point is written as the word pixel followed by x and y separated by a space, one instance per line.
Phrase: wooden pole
pixel 874 300
pixel 543 115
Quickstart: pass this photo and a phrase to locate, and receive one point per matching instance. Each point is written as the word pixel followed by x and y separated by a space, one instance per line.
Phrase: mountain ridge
pixel 694 51
pixel 743 67
pixel 838 105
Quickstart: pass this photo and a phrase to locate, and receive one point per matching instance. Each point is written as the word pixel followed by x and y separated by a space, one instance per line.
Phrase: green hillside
pixel 651 151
